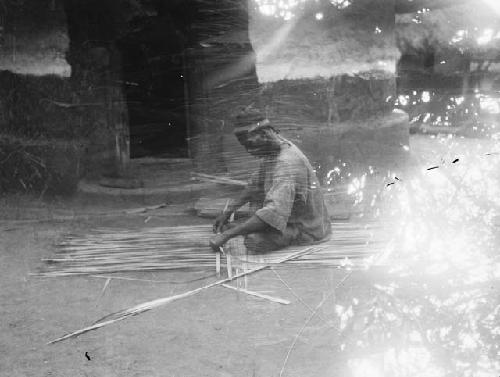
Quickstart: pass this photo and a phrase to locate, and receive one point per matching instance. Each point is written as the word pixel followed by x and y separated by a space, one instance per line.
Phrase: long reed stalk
pixel 149 305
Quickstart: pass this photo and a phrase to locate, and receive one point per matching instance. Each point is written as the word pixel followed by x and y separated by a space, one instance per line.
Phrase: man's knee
pixel 259 243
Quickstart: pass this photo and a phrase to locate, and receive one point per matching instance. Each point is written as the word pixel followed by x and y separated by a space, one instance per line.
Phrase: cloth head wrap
pixel 250 120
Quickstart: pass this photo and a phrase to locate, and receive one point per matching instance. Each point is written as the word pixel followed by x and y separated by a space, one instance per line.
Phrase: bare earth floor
pixel 217 333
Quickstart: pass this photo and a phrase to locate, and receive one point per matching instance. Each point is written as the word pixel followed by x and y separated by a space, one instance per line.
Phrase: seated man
pixel 285 193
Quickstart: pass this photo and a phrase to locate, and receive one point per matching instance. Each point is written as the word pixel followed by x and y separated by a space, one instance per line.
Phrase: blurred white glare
pixel 410 361
pixel 468 341
pixel 287 9
pixel 494 4
pixel 356 185
pixel 341 4
pixel 403 100
pixel 278 8
pixel 426 96
pixel 459 36
pixel 423 10
pixel 268 9
pixel 490 105
pixel 366 367
pixel 485 37
pixel 435 177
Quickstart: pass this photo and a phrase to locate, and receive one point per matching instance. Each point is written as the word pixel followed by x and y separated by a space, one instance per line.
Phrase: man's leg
pixel 264 242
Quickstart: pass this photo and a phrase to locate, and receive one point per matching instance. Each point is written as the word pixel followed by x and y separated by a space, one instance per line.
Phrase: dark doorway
pixel 154 80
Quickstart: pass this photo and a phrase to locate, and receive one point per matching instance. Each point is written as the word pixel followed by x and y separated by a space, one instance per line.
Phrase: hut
pixel 89 85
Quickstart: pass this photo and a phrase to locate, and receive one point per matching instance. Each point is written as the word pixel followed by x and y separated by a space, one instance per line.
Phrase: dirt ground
pixel 340 322
pixel 217 333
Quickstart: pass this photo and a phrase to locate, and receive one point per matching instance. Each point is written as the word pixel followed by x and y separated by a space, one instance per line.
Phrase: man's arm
pixel 242 199
pixel 253 225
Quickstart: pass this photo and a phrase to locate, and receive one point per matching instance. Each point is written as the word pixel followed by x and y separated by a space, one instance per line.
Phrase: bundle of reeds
pixel 108 250
pixel 351 244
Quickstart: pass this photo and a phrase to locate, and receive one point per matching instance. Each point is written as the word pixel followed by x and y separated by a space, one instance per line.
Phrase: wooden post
pixel 96 73
pixel 187 105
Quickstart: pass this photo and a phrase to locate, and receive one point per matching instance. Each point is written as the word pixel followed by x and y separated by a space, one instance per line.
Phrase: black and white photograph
pixel 250 188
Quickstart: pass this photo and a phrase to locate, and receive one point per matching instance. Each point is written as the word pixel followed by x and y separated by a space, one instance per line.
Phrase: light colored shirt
pixel 291 199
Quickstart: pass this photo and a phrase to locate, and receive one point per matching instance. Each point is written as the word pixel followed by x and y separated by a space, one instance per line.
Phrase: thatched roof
pixel 357 39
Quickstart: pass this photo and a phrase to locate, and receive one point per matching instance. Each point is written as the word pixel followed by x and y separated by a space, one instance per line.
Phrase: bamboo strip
pixel 296 295
pixel 150 280
pixel 229 265
pixel 168 248
pixel 217 262
pixel 106 283
pixel 146 306
pixel 218 179
pixel 311 316
pixel 256 294
pixel 145 209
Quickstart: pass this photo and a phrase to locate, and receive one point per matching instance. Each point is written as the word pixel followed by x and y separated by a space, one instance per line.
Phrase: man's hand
pixel 220 221
pixel 253 225
pixel 217 241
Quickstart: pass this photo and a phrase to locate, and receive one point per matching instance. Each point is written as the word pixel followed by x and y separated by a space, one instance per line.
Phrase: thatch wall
pixel 48 137
pixel 319 101
pixel 33 37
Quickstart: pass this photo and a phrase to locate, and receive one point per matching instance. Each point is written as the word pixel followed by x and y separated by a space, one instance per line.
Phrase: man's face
pixel 257 143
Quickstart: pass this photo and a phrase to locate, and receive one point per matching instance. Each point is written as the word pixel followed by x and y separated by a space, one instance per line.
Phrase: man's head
pixel 255 133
